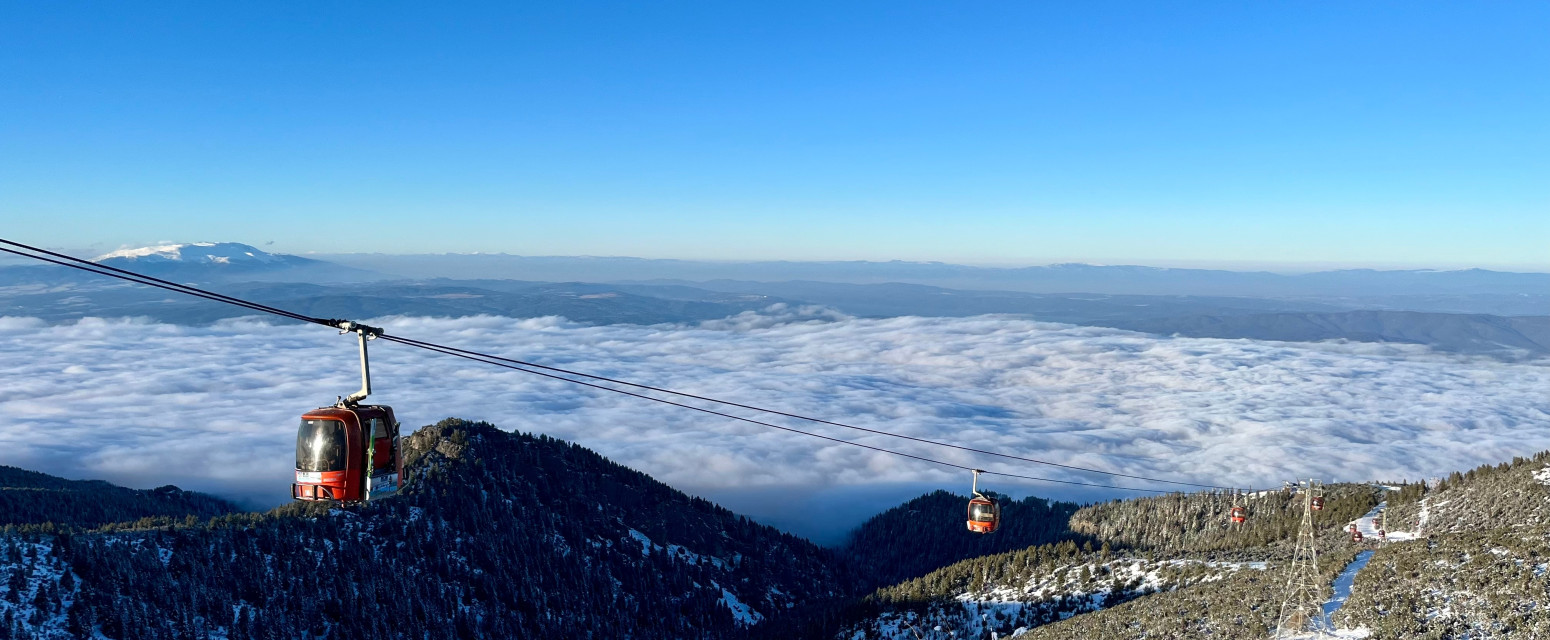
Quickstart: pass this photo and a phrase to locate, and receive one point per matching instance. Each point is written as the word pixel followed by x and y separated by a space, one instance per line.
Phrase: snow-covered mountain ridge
pixel 194 252
pixel 229 262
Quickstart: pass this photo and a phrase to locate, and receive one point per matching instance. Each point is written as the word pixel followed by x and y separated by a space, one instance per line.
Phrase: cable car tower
pixel 1304 603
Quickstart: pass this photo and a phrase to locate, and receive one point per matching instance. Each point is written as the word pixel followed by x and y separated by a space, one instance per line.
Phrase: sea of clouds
pixel 215 408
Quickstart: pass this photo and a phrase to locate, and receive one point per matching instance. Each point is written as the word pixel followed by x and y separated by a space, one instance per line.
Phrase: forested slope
pixel 510 535
pixel 1480 585
pixel 1482 572
pixel 1178 544
pixel 498 535
pixel 1197 522
pixel 1510 494
pixel 32 498
pixel 928 533
pixel 1241 605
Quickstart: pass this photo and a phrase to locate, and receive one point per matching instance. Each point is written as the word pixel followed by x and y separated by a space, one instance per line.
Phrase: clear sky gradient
pixel 1370 133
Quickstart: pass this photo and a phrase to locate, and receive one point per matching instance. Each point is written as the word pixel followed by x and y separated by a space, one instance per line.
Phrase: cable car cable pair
pixel 713 412
pixel 344 325
pixel 413 342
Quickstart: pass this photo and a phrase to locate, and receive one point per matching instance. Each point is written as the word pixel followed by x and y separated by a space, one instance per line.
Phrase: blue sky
pixel 1396 133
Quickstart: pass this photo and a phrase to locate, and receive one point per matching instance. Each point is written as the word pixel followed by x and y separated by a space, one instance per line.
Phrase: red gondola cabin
pixel 347 454
pixel 984 514
pixel 1239 515
pixel 1317 503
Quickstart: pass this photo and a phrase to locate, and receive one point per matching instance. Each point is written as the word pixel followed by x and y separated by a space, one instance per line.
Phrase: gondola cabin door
pixel 347 454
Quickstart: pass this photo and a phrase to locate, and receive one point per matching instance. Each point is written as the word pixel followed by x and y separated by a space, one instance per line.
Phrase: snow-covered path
pixel 1342 593
pixel 1368 525
pixel 1343 584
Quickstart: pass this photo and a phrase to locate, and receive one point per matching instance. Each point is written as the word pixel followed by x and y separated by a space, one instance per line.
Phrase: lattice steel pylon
pixel 1304 603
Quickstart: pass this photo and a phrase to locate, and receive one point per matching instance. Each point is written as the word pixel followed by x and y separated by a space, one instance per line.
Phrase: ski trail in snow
pixel 1368 525
pixel 1342 594
pixel 1343 584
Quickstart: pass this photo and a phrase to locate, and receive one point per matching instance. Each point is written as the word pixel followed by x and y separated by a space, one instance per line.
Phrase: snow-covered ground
pixel 1064 591
pixel 741 611
pixel 1359 632
pixel 1067 580
pixel 39 577
pixel 744 613
pixel 1371 523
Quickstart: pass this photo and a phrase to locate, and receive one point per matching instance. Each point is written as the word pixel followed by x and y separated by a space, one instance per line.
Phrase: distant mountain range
pixel 1505 315
pixel 1057 278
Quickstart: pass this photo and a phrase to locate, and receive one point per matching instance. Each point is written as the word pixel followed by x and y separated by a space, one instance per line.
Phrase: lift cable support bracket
pixel 363 333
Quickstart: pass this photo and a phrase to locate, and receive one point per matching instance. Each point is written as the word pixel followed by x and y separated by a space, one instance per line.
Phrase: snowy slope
pixel 1478 585
pixel 1045 596
pixel 210 261
pixel 36 589
pixel 1371 526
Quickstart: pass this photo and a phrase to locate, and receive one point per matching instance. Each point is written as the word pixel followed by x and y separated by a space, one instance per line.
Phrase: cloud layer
pixel 215 408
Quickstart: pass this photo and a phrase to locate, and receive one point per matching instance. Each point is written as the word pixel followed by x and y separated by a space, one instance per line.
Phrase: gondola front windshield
pixel 320 446
pixel 982 513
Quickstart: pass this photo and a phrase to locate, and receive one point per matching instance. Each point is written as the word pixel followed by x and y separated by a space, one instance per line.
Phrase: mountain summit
pixel 196 253
pixel 214 261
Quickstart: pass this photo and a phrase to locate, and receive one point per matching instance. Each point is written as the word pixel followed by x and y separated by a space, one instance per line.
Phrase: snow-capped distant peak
pixel 194 252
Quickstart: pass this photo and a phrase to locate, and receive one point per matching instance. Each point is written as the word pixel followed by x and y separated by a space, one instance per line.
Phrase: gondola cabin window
pixel 320 446
pixel 382 446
